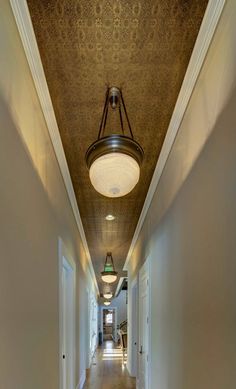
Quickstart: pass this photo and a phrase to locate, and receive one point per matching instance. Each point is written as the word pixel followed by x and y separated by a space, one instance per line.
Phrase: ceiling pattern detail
pixel 142 47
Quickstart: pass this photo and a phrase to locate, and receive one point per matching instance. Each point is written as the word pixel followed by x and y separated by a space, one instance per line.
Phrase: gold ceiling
pixel 142 47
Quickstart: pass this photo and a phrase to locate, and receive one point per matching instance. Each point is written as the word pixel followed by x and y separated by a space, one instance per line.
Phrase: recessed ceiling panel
pixel 142 47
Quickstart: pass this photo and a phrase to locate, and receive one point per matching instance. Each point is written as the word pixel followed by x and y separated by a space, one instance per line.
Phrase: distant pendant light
pixel 107 303
pixel 108 295
pixel 110 217
pixel 109 274
pixel 114 161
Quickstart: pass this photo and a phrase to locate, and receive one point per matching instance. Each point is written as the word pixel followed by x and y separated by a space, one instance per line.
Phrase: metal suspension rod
pixel 105 119
pixel 121 120
pixel 131 133
pixel 112 261
pixel 105 114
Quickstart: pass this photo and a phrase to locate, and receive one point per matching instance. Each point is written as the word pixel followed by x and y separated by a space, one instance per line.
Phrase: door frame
pixel 134 327
pixel 93 325
pixel 145 270
pixel 91 330
pixel 88 330
pixel 64 256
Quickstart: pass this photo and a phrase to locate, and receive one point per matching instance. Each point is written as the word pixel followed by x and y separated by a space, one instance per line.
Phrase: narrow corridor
pixel 108 370
pixel 117 194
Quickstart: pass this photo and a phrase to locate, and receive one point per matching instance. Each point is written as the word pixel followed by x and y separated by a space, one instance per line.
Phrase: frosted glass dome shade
pixel 114 174
pixel 107 295
pixel 109 277
pixel 114 164
pixel 107 303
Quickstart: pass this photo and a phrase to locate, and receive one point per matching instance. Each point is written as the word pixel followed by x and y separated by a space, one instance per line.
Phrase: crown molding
pixel 203 41
pixel 26 31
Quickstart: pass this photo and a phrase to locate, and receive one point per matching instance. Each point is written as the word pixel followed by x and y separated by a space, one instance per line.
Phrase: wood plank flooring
pixel 110 371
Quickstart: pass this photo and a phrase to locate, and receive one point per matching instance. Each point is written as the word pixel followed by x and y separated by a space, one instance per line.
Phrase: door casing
pixel 133 328
pixel 66 262
pixel 144 326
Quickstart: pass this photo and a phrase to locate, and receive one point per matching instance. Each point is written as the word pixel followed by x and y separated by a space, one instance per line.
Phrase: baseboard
pixel 130 371
pixel 82 380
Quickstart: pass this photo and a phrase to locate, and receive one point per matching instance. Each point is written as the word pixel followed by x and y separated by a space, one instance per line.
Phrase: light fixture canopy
pixel 107 302
pixel 114 161
pixel 108 295
pixel 109 275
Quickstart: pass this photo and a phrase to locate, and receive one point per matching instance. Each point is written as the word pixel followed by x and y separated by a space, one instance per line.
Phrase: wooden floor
pixel 110 371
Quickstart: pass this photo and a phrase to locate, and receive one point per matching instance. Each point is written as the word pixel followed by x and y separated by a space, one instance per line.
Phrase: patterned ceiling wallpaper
pixel 142 47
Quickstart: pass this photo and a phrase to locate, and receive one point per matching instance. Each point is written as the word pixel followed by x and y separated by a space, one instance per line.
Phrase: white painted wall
pixel 189 234
pixel 119 302
pixel 34 212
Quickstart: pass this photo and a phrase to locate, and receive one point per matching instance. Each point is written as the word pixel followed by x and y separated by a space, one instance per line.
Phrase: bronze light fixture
pixel 114 161
pixel 109 274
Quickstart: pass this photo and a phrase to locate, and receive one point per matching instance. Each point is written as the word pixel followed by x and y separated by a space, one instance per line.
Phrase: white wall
pixel 34 212
pixel 189 234
pixel 119 302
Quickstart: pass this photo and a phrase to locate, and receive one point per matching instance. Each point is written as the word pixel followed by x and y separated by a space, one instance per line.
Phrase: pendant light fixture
pixel 114 161
pixel 108 295
pixel 109 274
pixel 107 303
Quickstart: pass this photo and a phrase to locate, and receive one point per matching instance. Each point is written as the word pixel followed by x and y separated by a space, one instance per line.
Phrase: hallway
pixel 109 372
pixel 117 194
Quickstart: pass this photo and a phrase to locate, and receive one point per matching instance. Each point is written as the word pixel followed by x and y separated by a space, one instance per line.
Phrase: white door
pixel 88 344
pixel 134 326
pixel 67 325
pixel 143 328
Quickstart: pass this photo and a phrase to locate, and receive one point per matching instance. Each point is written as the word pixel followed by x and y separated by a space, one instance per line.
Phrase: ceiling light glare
pixel 110 217
pixel 107 303
pixel 107 295
pixel 109 277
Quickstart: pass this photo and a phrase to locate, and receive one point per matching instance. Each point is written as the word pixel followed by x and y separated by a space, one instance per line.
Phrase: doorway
pixel 109 323
pixel 66 318
pixel 143 355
